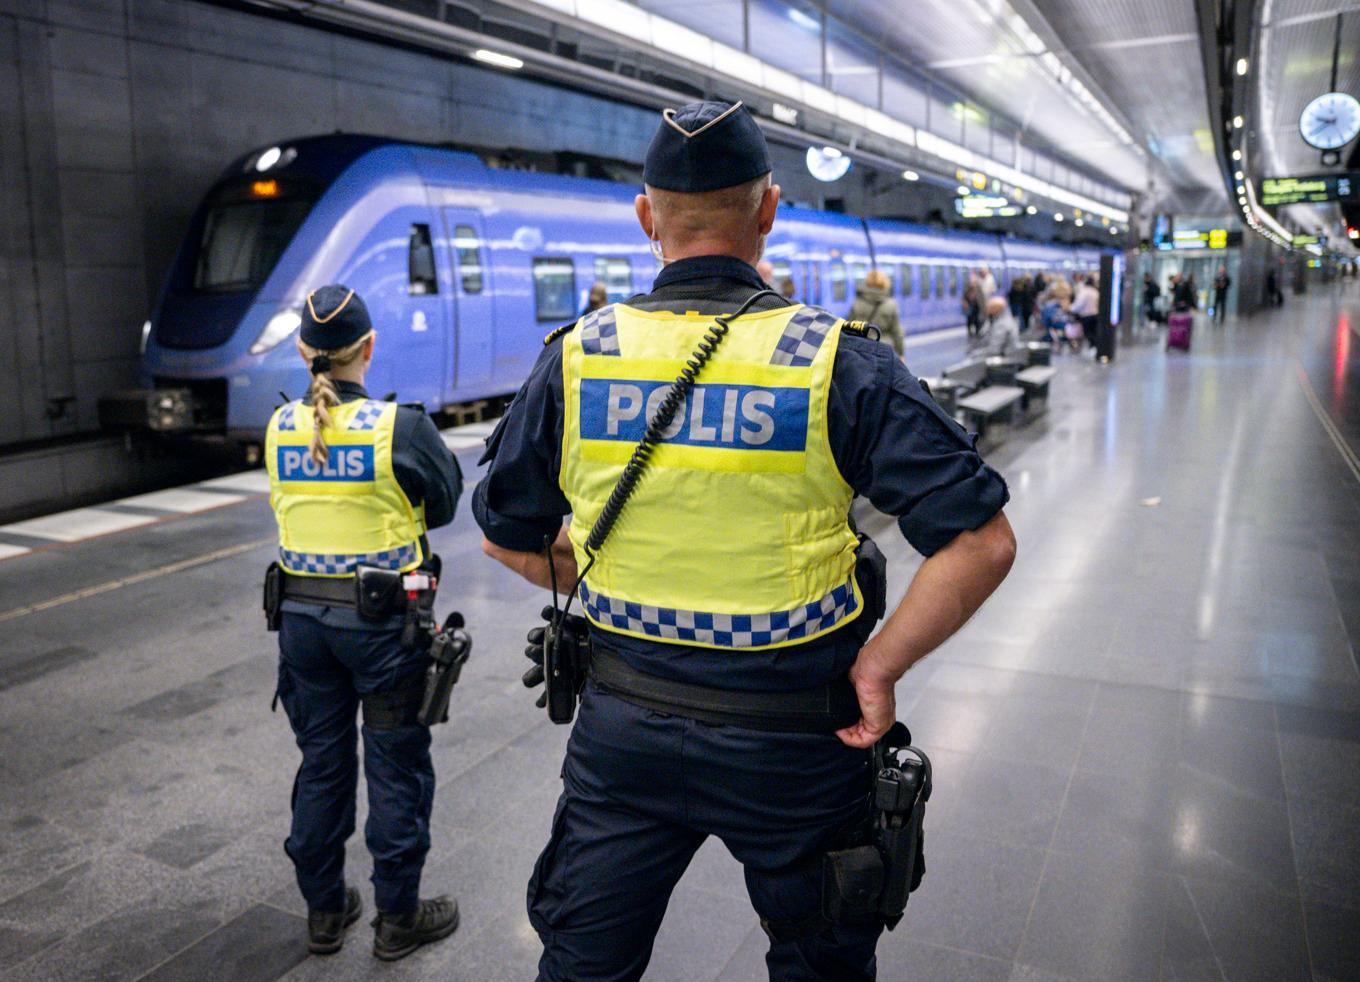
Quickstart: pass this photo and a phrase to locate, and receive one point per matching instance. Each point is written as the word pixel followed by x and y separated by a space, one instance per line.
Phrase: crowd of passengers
pixel 1041 307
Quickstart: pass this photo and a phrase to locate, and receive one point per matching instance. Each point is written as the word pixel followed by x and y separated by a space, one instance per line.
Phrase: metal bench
pixel 996 402
pixel 1034 380
pixel 1038 353
pixel 968 375
pixel 945 392
pixel 1002 370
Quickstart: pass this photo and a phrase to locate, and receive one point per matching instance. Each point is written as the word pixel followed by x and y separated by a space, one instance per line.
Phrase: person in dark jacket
pixel 1222 281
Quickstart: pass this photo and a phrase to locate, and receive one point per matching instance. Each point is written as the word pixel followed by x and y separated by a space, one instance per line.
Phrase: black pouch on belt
pixel 273 596
pixel 871 573
pixel 376 592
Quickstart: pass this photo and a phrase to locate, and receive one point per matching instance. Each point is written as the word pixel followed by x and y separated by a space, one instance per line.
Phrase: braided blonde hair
pixel 322 393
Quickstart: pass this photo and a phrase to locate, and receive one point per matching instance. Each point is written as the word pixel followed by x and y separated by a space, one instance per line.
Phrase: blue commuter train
pixel 464 268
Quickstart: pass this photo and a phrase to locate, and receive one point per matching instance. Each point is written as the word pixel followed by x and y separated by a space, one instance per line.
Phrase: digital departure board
pixel 1313 189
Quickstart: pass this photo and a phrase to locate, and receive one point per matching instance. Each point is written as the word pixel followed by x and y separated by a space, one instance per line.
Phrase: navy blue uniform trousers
pixel 641 792
pixel 323 670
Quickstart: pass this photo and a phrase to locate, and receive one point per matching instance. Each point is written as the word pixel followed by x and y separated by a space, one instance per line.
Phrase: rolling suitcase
pixel 1178 328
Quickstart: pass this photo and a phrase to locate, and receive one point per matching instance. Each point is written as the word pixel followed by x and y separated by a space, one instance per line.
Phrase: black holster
pixel 874 876
pixel 449 651
pixel 879 860
pixel 273 597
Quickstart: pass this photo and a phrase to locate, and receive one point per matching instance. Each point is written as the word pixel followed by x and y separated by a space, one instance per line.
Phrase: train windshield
pixel 245 231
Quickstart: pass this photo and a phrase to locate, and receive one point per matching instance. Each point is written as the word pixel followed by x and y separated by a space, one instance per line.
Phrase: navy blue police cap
pixel 334 317
pixel 705 146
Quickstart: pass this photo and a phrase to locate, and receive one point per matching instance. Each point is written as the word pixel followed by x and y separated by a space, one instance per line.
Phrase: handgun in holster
pixel 872 879
pixel 449 651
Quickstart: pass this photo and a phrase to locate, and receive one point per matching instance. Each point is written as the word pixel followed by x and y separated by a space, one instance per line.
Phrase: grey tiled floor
pixel 1147 745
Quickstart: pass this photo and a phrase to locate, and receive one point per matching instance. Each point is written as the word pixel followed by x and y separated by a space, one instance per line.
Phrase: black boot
pixel 326 929
pixel 397 935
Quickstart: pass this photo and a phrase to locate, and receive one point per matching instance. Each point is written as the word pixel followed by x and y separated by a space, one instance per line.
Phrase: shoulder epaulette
pixel 864 329
pixel 557 333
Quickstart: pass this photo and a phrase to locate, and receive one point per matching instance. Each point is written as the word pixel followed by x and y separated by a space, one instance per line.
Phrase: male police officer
pixel 355 483
pixel 726 592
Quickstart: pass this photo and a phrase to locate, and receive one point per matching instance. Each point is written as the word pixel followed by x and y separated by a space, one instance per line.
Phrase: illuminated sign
pixel 985 206
pixel 265 189
pixel 1312 189
pixel 1200 238
pixel 785 114
pixel 1304 240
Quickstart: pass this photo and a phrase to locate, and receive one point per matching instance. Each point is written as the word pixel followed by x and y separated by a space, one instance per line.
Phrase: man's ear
pixel 643 206
pixel 369 345
pixel 769 205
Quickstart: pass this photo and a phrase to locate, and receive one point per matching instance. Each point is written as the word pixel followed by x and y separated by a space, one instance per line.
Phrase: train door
pixel 418 373
pixel 470 309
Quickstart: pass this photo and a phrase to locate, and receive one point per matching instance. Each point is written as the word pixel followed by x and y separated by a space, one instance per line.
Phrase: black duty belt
pixel 330 591
pixel 824 709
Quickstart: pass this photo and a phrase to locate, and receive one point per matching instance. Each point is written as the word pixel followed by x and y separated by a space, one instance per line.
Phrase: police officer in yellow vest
pixel 731 692
pixel 355 483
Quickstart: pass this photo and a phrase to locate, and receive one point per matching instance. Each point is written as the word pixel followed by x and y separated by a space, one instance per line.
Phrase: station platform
pixel 1146 745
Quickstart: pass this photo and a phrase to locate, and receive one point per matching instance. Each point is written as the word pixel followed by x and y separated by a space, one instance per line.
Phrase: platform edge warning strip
pixel 149 574
pixel 1337 437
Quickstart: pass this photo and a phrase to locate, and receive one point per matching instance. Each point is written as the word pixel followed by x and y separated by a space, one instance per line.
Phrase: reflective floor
pixel 1147 745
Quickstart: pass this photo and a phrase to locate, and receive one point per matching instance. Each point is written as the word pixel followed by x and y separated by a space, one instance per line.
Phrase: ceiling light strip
pixel 676 40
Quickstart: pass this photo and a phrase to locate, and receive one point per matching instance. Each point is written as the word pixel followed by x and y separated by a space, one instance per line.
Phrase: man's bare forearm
pixel 947 590
pixel 533 566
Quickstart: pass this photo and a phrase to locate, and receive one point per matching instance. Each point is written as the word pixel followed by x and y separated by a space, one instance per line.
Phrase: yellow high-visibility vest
pixel 738 534
pixel 350 511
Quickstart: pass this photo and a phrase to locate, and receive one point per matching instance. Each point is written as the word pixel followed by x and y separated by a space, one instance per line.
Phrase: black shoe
pixel 396 936
pixel 326 929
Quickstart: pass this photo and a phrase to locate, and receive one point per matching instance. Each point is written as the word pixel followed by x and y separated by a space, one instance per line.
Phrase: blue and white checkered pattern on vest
pixel 724 630
pixel 368 415
pixel 286 418
pixel 599 332
pixel 803 337
pixel 339 564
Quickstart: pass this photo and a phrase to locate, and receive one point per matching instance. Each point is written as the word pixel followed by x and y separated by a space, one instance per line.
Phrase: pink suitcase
pixel 1178 328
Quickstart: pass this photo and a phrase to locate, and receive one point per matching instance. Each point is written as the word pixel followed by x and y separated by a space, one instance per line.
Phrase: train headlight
pixel 146 334
pixel 280 326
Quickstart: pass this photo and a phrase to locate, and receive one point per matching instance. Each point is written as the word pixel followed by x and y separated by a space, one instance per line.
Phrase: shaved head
pixel 730 221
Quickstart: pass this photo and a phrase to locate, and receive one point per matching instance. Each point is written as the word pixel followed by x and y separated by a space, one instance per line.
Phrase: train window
pixel 904 277
pixel 816 283
pixel 926 277
pixel 467 246
pixel 857 272
pixel 420 273
pixel 242 240
pixel 953 281
pixel 616 273
pixel 837 280
pixel 555 288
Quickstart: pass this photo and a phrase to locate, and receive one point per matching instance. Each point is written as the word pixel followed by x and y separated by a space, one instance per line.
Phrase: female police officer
pixel 354 484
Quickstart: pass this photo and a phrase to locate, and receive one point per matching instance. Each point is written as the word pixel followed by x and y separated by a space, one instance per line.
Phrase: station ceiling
pixel 1294 55
pixel 1140 59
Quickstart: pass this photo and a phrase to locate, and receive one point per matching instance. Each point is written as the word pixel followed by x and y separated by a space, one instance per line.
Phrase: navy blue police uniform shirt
pixel 892 443
pixel 425 469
